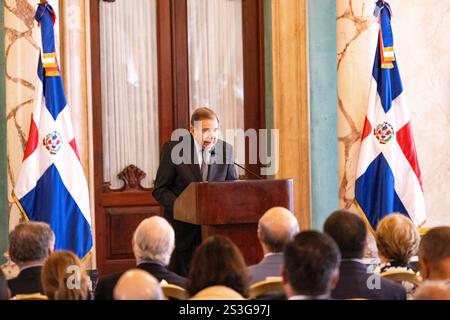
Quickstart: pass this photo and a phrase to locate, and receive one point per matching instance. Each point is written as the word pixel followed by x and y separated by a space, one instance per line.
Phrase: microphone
pixel 213 154
pixel 249 171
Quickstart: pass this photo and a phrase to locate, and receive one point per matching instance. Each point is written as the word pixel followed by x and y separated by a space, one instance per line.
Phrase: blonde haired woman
pixel 63 277
pixel 397 242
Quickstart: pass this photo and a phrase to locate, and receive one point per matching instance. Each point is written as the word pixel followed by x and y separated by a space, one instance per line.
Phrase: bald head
pixel 275 228
pixel 154 240
pixel 433 290
pixel 137 284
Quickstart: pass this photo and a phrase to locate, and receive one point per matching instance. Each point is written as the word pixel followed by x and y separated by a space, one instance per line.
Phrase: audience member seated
pixel 433 290
pixel 153 243
pixel 63 277
pixel 397 242
pixel 275 228
pixel 218 271
pixel 30 243
pixel 310 266
pixel 356 279
pixel 137 284
pixel 434 254
pixel 4 291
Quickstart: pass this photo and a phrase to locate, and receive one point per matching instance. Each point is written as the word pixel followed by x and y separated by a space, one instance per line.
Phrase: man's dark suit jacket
pixel 105 286
pixel 353 284
pixel 173 177
pixel 27 282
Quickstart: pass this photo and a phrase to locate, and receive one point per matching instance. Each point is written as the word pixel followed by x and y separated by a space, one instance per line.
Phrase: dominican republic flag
pixel 51 186
pixel 388 175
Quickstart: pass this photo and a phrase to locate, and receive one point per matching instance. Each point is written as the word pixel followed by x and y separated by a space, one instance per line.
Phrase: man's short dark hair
pixel 310 261
pixel 30 241
pixel 349 231
pixel 203 114
pixel 435 244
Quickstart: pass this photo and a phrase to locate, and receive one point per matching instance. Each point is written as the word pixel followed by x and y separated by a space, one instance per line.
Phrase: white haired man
pixel 153 243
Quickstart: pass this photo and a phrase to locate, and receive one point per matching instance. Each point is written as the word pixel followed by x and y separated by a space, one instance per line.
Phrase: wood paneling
pixel 291 105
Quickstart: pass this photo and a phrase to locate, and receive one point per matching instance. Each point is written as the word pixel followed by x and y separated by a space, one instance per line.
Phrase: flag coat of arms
pixel 388 177
pixel 51 186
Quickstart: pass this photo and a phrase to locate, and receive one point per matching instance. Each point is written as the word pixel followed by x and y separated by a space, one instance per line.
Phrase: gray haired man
pixel 30 243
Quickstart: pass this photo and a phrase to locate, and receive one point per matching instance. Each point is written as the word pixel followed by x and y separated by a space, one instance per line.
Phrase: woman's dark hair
pixel 218 261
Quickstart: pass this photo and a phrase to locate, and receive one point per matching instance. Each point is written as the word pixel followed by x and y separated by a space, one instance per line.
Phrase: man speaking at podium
pixel 197 157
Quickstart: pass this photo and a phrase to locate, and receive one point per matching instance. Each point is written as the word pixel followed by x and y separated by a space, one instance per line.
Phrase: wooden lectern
pixel 233 209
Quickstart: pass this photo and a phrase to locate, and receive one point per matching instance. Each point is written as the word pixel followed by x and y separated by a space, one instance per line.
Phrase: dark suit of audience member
pixel 174 175
pixel 30 243
pixel 4 291
pixel 27 282
pixel 356 280
pixel 153 244
pixel 105 286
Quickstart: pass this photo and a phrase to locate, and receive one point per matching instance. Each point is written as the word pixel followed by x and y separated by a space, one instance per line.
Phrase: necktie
pixel 204 167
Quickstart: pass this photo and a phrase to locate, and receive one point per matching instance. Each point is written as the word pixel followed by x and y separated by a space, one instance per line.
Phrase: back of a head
pixel 217 261
pixel 310 262
pixel 4 292
pixel 433 290
pixel 276 228
pixel 154 240
pixel 137 284
pixel 397 238
pixel 434 250
pixel 63 277
pixel 349 232
pixel 30 241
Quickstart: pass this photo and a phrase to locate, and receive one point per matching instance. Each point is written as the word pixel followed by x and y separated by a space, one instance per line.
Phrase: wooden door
pixel 118 211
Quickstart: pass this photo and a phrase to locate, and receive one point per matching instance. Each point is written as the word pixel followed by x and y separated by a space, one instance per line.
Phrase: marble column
pixel 422 49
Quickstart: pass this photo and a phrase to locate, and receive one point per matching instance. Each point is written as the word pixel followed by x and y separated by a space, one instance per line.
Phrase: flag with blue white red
pixel 388 176
pixel 51 186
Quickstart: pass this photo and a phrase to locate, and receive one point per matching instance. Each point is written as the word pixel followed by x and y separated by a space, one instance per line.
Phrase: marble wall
pixel 422 48
pixel 22 43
